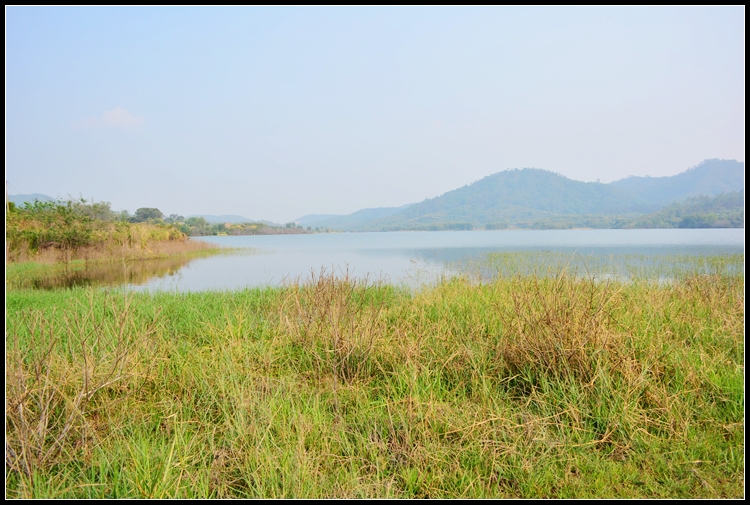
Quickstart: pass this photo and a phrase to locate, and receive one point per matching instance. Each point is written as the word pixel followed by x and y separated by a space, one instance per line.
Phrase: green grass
pixel 526 386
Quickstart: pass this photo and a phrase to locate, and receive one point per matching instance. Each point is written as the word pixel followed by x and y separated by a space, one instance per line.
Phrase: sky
pixel 277 112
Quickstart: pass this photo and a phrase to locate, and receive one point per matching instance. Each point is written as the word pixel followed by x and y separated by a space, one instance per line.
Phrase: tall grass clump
pixel 335 321
pixel 561 326
pixel 61 374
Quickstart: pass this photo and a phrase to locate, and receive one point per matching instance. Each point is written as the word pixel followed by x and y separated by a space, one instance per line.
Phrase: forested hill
pixel 512 195
pixel 527 197
pixel 711 177
pixel 726 210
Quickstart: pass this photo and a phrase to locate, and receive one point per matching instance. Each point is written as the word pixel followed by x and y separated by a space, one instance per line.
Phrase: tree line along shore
pixel 67 230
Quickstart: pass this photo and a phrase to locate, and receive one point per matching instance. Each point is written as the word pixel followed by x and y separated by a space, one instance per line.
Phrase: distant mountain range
pixel 531 198
pixel 340 222
pixel 316 219
pixel 21 199
pixel 223 219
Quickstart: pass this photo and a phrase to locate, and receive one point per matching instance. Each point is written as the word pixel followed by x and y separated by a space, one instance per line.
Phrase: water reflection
pixel 415 259
pixel 113 274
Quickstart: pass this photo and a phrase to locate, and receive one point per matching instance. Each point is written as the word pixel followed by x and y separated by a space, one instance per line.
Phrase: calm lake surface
pixel 414 258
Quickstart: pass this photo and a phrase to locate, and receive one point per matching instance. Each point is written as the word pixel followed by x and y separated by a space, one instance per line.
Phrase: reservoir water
pixel 415 258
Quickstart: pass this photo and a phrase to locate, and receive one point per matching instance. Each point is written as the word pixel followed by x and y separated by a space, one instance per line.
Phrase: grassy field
pixel 526 386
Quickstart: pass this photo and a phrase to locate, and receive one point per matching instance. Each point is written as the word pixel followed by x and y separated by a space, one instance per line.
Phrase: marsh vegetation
pixel 525 385
pixel 57 231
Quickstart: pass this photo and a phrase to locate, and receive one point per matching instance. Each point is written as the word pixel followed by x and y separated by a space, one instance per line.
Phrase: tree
pixel 197 221
pixel 101 211
pixel 197 226
pixel 147 213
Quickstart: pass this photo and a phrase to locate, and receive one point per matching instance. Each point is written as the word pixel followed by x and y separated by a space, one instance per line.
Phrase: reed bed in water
pixel 115 251
pixel 116 265
pixel 526 386
pixel 622 266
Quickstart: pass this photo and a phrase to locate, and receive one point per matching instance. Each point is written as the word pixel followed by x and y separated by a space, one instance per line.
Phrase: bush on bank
pixel 69 228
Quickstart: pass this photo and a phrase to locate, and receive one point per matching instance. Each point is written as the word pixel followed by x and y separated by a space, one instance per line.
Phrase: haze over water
pixel 421 257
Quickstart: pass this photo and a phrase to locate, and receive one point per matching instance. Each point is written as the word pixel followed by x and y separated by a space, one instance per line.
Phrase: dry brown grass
pixel 147 251
pixel 560 326
pixel 110 251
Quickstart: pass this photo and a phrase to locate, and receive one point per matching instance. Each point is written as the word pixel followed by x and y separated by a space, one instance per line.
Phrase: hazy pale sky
pixel 274 113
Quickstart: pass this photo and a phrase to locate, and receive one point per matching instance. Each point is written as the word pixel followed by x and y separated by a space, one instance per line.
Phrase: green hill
pixel 709 178
pixel 726 210
pixel 535 198
pixel 513 197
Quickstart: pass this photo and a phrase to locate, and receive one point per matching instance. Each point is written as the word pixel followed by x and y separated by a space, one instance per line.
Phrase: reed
pixel 96 265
